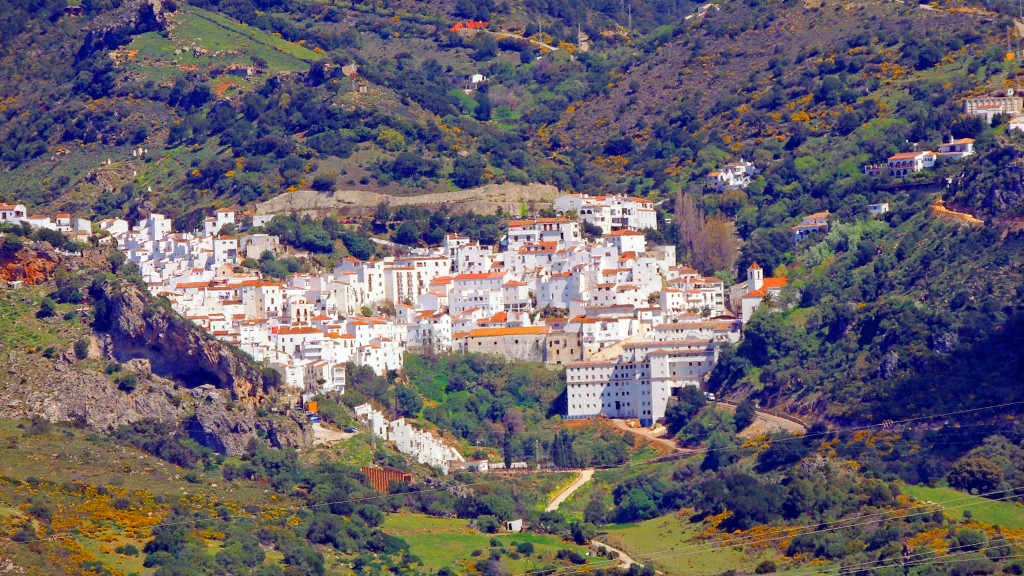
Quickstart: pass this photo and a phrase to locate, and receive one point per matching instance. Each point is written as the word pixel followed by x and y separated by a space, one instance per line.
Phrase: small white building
pixel 12 213
pixel 955 149
pixel 878 209
pixel 731 176
pixel 816 223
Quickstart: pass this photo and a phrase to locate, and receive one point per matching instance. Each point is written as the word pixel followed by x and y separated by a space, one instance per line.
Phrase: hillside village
pixel 629 323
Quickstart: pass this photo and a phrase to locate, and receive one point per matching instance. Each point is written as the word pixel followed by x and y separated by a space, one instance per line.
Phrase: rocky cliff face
pixel 139 327
pixel 181 372
pixel 226 428
pixel 26 264
pixel 992 187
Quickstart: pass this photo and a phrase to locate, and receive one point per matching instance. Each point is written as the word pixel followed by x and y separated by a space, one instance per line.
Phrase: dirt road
pixel 658 434
pixel 765 423
pixel 625 561
pixel 324 436
pixel 583 477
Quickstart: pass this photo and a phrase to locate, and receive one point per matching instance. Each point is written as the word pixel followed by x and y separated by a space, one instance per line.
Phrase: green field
pixel 667 541
pixel 21 329
pixel 1006 514
pixel 226 42
pixel 442 542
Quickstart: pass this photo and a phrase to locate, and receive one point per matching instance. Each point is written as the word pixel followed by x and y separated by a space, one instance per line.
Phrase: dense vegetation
pixel 491 402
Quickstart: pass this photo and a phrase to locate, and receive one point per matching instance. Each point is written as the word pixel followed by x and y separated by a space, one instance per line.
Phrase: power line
pixel 916 559
pixel 736 542
pixel 627 464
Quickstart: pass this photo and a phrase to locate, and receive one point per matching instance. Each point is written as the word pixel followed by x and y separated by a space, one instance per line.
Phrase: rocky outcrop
pixel 162 351
pixel 26 264
pixel 115 29
pixel 141 327
pixel 228 428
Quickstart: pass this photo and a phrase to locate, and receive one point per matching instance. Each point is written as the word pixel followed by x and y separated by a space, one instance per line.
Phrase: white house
pixel 731 176
pixel 610 212
pixel 956 148
pixel 878 209
pixel 627 241
pixel 813 224
pixel 909 162
pixel 12 213
pixel 748 296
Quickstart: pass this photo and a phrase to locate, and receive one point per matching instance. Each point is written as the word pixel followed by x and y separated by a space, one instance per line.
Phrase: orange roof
pixel 753 266
pixel 817 215
pixel 515 283
pixel 625 233
pixel 479 276
pixel 774 282
pixel 907 155
pixel 187 285
pixel 296 330
pixel 493 332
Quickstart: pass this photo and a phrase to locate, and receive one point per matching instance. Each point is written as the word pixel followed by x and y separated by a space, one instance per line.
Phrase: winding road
pixel 581 479
pixel 625 561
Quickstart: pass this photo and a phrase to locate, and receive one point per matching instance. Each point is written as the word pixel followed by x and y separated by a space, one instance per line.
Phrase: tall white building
pixel 640 381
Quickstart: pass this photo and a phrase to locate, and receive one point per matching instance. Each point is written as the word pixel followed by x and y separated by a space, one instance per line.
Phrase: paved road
pixel 583 477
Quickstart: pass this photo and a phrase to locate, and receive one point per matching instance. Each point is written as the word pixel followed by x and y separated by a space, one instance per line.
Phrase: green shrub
pixel 47 308
pixel 127 550
pixel 127 382
pixel 82 349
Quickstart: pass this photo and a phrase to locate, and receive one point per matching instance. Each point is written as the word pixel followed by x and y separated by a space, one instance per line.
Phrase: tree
pixel 390 139
pixel 975 474
pixel 324 182
pixel 408 233
pixel 745 414
pixel 82 349
pixel 483 107
pixel 596 512
pixel 407 401
pixel 721 243
pixel 47 308
pixel 582 532
pixel 686 405
pixel 468 171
